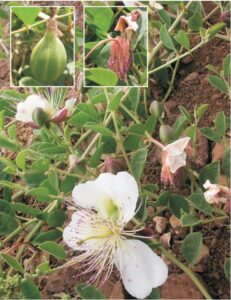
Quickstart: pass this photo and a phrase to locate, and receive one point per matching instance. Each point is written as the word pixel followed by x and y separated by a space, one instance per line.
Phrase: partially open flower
pixel 50 109
pixel 104 207
pixel 173 158
pixel 216 193
pixel 127 23
pixel 121 57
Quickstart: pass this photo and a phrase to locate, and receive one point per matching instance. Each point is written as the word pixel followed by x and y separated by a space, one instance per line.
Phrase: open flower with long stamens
pixel 104 207
pixel 173 158
pixel 50 105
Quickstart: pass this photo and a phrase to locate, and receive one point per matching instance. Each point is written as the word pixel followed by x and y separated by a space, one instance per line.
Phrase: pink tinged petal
pixel 140 268
pixel 177 147
pixel 123 190
pixel 60 117
pixel 25 109
pixel 176 162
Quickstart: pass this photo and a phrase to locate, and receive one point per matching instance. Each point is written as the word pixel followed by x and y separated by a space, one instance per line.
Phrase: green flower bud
pixel 39 117
pixel 166 134
pixel 156 108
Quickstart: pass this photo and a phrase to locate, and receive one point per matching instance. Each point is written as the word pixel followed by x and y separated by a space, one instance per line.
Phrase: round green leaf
pixel 191 247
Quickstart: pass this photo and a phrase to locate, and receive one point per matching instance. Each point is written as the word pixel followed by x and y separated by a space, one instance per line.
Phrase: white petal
pixel 175 162
pixel 123 190
pixel 90 195
pixel 177 147
pixel 140 268
pixel 207 184
pixel 25 109
pixel 79 233
pixel 69 105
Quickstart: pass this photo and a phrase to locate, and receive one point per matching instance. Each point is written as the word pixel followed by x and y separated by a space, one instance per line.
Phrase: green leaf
pixel 163 199
pixel 196 21
pixel 1 119
pixel 226 162
pixel 115 101
pixel 201 110
pixel 166 38
pixel 53 249
pixel 165 17
pixel 198 201
pixel 41 193
pixel 189 220
pixel 54 181
pixel 212 31
pixel 227 267
pixel 177 203
pixel 9 144
pixel 99 128
pixel 218 83
pixel 186 114
pixel 220 122
pixel 86 291
pixel 7 218
pixel 67 184
pixel 138 162
pixel 96 157
pixel 29 289
pixel 49 235
pixel 12 262
pixel 101 76
pixel 56 218
pixel 21 160
pixel 28 81
pixel 191 247
pixel 210 134
pixel 191 132
pixel 26 14
pixel 210 172
pixel 41 165
pixel 25 209
pixel 100 17
pixel 182 38
pixel 227 66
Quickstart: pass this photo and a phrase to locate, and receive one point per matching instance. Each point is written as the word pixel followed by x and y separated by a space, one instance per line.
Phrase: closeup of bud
pixel 166 134
pixel 39 117
pixel 113 165
pixel 156 109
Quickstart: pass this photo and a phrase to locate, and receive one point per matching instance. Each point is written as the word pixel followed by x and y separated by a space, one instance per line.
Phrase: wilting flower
pixel 121 57
pixel 26 108
pixel 127 23
pixel 216 193
pixel 173 158
pixel 104 207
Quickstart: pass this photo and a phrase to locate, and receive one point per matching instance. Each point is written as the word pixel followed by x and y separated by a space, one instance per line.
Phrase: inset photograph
pixel 42 46
pixel 115 46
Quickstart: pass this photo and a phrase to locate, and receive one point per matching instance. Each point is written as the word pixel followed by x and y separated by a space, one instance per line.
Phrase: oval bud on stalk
pixel 166 134
pixel 156 108
pixel 48 59
pixel 39 117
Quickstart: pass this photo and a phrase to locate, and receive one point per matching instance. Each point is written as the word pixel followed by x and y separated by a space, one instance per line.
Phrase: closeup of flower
pixel 216 193
pixel 50 107
pixel 121 58
pixel 98 228
pixel 173 158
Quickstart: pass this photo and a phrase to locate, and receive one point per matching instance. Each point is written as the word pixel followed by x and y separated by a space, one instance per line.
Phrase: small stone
pixel 150 211
pixel 176 224
pixel 218 151
pixel 165 239
pixel 160 224
pixel 187 59
pixel 179 286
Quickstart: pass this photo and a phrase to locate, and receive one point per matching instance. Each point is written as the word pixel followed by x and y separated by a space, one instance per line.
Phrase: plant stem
pixel 26 28
pixel 173 26
pixel 178 57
